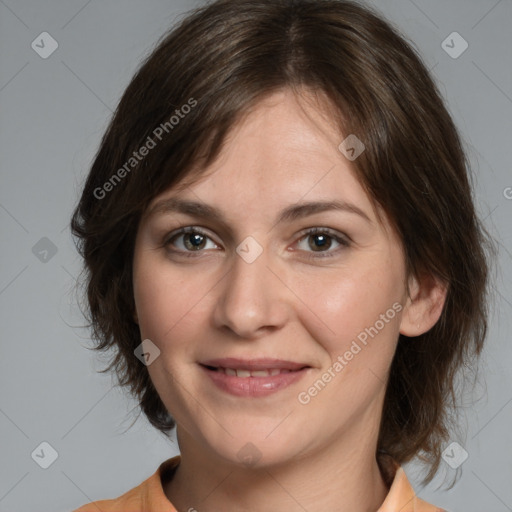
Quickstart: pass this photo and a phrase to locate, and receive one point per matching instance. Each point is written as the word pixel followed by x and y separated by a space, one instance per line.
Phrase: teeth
pixel 254 373
pixel 261 373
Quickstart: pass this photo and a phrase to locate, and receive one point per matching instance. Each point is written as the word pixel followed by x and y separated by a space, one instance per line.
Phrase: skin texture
pixel 290 303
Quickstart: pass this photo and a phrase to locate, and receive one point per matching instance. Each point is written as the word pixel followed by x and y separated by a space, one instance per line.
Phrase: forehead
pixel 285 147
pixel 280 154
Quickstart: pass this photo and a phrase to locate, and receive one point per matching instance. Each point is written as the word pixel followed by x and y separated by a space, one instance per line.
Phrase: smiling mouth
pixel 253 369
pixel 238 372
pixel 245 367
pixel 253 378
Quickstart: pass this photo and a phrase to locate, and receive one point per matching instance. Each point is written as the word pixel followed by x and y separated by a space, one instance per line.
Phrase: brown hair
pixel 220 61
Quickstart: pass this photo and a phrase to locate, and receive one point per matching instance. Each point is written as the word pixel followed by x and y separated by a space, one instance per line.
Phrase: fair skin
pixel 290 303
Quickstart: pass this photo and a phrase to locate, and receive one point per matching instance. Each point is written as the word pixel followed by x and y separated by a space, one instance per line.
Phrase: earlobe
pixel 424 305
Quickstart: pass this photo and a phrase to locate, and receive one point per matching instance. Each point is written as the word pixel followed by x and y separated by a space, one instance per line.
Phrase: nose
pixel 253 299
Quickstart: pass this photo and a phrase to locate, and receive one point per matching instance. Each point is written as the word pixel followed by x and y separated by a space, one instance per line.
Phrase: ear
pixel 424 305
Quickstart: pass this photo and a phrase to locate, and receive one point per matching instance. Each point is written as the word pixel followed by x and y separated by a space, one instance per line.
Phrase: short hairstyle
pixel 190 92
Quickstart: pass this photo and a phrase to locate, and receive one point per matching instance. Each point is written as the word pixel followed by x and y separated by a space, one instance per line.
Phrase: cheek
pixel 356 322
pixel 355 304
pixel 155 296
pixel 169 305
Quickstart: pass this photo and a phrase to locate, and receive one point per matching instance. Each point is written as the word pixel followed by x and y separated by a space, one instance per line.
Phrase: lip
pixel 254 364
pixel 253 386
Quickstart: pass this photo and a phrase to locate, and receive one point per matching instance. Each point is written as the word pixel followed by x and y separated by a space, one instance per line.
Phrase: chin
pixel 247 449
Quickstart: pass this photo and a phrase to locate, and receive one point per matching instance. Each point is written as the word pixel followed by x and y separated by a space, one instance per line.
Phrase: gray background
pixel 53 112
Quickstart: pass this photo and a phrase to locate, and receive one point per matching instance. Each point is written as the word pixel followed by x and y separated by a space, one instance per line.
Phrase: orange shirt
pixel 149 495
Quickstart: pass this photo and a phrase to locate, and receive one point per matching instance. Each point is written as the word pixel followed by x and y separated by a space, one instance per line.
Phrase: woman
pixel 282 247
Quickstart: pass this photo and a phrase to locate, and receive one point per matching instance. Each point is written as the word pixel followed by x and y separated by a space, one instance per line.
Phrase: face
pixel 276 320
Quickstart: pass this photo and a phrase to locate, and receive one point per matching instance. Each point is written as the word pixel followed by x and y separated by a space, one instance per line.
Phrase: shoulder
pixel 148 496
pixel 401 494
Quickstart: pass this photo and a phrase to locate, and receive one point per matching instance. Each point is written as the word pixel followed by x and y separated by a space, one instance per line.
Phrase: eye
pixel 320 240
pixel 192 240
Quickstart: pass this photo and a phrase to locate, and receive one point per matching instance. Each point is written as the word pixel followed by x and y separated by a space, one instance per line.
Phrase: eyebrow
pixel 291 213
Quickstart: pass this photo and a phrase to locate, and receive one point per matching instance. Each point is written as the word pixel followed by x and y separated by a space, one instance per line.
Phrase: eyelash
pixel 344 242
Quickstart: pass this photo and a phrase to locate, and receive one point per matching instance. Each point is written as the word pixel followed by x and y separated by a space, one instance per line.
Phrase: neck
pixel 344 476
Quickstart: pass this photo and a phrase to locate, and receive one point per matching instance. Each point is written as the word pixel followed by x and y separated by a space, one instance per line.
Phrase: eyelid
pixel 344 240
pixel 183 231
pixel 343 237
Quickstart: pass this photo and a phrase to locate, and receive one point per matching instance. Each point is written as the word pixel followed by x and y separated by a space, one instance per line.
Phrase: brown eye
pixel 320 240
pixel 194 241
pixel 188 240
